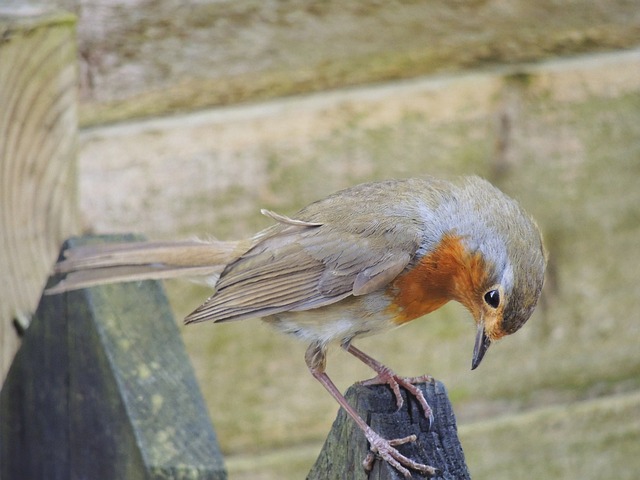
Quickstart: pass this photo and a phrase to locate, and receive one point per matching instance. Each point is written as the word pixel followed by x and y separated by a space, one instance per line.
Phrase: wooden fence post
pixel 102 388
pixel 346 447
pixel 38 132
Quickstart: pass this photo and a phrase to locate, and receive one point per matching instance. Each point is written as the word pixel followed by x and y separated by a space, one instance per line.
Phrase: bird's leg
pixel 385 449
pixel 386 376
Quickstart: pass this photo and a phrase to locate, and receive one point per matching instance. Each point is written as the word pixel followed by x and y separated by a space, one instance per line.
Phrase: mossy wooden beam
pixel 346 447
pixel 102 388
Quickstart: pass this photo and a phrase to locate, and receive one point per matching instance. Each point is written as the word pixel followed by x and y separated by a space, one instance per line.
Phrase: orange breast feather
pixel 447 273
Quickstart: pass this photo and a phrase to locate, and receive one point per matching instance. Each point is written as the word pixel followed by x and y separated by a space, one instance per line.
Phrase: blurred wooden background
pixel 194 115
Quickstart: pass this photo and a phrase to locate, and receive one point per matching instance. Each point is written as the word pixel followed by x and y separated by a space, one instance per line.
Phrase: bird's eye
pixel 492 297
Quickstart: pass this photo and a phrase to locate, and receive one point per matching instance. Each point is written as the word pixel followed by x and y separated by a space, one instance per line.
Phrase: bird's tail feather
pixel 91 265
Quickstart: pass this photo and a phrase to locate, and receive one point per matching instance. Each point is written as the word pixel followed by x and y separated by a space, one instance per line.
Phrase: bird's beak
pixel 482 344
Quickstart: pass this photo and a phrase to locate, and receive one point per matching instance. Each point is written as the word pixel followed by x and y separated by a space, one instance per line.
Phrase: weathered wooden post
pixel 102 388
pixel 346 447
pixel 38 132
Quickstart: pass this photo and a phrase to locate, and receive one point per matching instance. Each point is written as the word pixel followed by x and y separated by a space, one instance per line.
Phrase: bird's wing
pixel 300 265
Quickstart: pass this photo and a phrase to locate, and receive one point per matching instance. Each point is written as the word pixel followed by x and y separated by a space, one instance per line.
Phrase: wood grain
pixel 38 132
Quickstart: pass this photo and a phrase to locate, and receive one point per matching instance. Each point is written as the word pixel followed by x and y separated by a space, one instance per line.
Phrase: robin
pixel 359 262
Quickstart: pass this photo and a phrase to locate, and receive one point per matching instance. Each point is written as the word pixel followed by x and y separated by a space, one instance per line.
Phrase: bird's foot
pixel 385 450
pixel 386 376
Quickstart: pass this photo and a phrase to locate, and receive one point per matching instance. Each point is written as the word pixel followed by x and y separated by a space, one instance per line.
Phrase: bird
pixel 360 262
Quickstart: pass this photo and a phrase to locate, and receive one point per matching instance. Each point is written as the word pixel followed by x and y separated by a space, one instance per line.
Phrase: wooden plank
pixel 346 446
pixel 102 388
pixel 139 62
pixel 38 143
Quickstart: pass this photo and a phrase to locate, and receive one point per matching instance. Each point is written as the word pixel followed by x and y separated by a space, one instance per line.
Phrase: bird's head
pixel 504 263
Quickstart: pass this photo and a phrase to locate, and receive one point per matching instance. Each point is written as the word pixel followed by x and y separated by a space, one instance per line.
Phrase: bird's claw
pixel 385 450
pixel 386 376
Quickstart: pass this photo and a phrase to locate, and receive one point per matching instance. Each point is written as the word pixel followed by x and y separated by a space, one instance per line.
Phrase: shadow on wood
pixel 102 388
pixel 346 446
